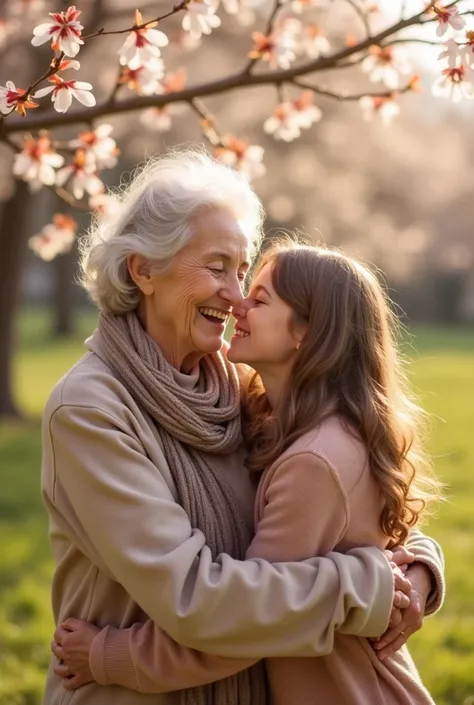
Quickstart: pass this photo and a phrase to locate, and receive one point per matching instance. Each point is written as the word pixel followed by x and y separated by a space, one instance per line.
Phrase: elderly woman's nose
pixel 233 292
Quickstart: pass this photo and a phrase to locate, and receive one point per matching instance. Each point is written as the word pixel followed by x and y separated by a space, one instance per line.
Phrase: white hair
pixel 153 219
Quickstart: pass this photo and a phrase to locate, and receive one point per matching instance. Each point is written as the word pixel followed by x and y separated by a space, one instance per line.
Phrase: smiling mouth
pixel 213 315
pixel 241 333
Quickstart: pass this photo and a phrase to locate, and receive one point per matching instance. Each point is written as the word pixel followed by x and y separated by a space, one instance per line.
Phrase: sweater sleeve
pixel 144 658
pixel 428 552
pixel 227 607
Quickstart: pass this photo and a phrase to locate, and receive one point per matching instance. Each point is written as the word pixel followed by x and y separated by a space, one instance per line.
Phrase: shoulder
pixel 90 384
pixel 334 445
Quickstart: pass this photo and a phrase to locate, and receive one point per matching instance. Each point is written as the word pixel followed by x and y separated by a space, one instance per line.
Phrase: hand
pixel 71 645
pixel 402 557
pixel 405 623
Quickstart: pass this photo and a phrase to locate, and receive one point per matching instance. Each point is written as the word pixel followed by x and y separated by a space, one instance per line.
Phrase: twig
pixel 267 32
pixel 102 32
pixel 321 90
pixel 363 15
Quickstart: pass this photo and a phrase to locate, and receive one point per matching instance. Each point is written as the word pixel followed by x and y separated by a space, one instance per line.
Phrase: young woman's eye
pixel 241 276
pixel 258 301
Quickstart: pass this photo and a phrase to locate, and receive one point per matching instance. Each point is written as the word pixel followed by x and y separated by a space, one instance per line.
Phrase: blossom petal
pixel 43 91
pixel 83 96
pixel 63 100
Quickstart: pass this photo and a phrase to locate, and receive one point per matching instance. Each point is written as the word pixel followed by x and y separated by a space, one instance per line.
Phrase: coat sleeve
pixel 428 552
pixel 227 607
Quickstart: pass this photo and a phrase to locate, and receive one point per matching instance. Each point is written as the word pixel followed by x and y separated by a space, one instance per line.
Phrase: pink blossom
pixel 64 91
pixel 448 17
pixel 142 45
pixel 37 162
pixel 64 32
pixel 55 238
pixel 242 157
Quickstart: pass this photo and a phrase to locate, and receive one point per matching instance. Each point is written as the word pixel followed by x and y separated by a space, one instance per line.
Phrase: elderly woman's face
pixel 190 303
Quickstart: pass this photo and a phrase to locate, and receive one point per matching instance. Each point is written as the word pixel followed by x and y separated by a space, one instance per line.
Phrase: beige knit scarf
pixel 195 427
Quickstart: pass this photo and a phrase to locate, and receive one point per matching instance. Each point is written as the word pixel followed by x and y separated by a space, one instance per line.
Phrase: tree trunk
pixel 64 309
pixel 13 247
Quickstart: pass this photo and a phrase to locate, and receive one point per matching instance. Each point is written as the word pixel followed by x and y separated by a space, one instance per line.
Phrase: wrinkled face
pixel 191 301
pixel 264 337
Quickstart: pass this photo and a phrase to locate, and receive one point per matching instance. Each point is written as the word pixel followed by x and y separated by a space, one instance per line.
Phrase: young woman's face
pixel 264 335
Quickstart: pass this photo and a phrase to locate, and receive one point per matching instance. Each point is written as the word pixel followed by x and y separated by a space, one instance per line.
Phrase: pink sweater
pixel 318 497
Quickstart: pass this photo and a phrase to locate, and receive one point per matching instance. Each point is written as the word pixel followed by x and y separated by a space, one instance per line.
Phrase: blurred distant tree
pixel 292 51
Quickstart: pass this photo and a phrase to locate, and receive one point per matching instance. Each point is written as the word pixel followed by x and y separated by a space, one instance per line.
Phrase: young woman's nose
pixel 240 310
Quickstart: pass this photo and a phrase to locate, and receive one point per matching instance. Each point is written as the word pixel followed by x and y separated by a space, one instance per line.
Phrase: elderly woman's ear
pixel 140 271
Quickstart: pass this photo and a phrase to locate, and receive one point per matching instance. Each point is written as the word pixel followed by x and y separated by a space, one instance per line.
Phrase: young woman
pixel 334 442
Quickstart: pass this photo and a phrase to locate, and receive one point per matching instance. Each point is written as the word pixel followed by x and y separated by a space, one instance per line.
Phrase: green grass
pixel 443 373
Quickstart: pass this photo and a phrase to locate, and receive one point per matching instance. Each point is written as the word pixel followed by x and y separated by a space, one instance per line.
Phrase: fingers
pixel 57 650
pixel 72 683
pixel 400 600
pixel 401 555
pixel 383 651
pixel 62 670
pixel 402 584
pixel 59 635
pixel 395 618
pixel 71 624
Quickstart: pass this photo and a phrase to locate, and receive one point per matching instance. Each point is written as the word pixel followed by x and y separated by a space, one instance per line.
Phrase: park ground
pixel 442 367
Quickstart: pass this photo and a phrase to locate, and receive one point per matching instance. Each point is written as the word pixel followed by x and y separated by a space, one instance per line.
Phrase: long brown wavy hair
pixel 348 363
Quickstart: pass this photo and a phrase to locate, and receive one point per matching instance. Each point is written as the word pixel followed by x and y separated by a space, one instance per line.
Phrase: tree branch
pixel 321 90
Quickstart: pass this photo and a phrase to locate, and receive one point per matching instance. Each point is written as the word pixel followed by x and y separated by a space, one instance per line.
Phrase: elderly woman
pixel 150 504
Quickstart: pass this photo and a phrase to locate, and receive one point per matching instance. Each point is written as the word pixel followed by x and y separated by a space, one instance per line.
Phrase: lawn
pixel 443 373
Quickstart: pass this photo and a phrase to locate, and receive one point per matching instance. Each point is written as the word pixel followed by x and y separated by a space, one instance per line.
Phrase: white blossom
pixel 13 98
pixel 64 91
pixel 36 163
pixel 64 32
pixel 455 83
pixel 452 52
pixel 144 80
pixel 142 46
pixel 55 238
pixel 385 64
pixel 313 42
pixel 100 145
pixel 242 157
pixel 448 17
pixel 386 107
pixel 82 174
pixel 278 49
pixel 200 17
pixel 282 124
